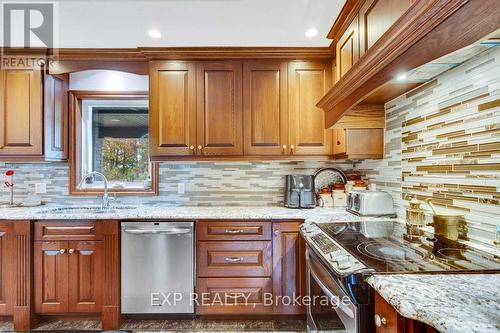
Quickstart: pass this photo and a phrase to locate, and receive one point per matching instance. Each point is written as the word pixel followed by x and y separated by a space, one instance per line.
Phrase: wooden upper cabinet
pixel 265 129
pixel 358 143
pixel 376 17
pixel 307 84
pixel 219 109
pixel 172 108
pixel 21 113
pixel 56 117
pixel 347 49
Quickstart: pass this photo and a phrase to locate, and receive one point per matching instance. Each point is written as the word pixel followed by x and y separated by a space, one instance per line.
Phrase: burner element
pixel 388 252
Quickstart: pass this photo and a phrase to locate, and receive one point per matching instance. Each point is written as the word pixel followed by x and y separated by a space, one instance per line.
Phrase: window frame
pixel 75 148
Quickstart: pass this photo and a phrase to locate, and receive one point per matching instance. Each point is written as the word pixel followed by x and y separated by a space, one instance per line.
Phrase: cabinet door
pixel 365 142
pixel 21 113
pixel 339 147
pixel 51 277
pixel 56 118
pixel 172 109
pixel 6 270
pixel 289 277
pixel 307 83
pixel 376 17
pixel 347 49
pixel 85 284
pixel 265 108
pixel 219 109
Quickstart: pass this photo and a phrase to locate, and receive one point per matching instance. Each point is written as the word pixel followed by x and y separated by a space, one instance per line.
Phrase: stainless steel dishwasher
pixel 157 267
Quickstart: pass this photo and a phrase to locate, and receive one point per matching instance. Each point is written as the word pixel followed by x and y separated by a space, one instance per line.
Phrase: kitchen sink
pixel 87 210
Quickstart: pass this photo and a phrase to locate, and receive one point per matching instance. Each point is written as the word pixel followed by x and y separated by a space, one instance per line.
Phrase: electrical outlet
pixel 40 188
pixel 181 188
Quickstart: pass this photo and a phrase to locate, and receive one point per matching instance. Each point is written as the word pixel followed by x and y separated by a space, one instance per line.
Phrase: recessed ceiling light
pixel 153 33
pixel 310 33
pixel 401 77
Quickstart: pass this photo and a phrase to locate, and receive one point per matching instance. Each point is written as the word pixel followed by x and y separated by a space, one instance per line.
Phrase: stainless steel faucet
pixel 105 196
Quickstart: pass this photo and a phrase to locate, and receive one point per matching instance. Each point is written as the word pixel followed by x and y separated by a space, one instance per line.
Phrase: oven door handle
pixel 328 293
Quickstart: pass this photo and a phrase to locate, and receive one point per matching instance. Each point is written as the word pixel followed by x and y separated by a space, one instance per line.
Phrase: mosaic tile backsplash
pixel 442 141
pixel 206 183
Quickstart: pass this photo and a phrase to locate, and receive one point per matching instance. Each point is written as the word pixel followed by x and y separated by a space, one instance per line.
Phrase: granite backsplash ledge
pixel 259 183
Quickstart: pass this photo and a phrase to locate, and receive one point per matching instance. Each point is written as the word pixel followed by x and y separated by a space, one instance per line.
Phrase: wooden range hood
pixel 428 30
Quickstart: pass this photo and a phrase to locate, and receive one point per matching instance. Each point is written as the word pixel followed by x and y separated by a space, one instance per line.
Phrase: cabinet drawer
pixel 233 295
pixel 234 230
pixel 84 230
pixel 234 259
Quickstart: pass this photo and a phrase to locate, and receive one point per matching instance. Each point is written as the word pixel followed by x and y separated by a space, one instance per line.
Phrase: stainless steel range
pixel 340 256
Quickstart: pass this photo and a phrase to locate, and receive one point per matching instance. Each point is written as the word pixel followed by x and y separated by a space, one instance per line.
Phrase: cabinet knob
pixel 276 232
pixel 191 147
pixel 284 146
pixel 338 143
pixel 71 251
pixel 379 321
pixel 200 147
pixel 62 251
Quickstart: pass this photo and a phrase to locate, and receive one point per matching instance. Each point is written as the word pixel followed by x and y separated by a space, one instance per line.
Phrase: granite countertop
pixel 452 303
pixel 49 212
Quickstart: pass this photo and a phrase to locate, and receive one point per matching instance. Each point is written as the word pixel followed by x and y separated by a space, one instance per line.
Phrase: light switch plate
pixel 40 188
pixel 181 188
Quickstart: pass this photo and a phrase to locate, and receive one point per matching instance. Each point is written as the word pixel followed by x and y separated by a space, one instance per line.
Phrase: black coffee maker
pixel 299 191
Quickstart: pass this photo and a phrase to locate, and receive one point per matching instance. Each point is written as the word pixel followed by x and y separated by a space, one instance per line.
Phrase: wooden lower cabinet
pixel 6 269
pixel 388 320
pixel 233 295
pixel 79 275
pixel 68 276
pixel 289 266
pixel 246 276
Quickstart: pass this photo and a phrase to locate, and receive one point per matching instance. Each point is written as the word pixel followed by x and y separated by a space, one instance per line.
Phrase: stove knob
pixel 344 263
pixel 309 228
pixel 335 255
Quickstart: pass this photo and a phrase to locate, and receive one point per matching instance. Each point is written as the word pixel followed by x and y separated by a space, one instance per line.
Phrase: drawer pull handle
pixel 234 259
pixel 379 321
pixel 62 251
pixel 234 231
pixel 235 295
pixel 70 251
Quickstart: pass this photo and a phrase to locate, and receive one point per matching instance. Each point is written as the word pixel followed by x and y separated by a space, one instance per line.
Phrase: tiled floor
pixel 187 325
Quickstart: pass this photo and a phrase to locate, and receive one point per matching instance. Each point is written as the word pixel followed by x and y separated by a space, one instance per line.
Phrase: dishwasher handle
pixel 170 231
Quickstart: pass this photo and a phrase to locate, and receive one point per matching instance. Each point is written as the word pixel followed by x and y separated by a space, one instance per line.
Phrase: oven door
pixel 339 313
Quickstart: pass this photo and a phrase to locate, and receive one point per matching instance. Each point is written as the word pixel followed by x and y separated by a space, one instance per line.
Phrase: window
pixel 112 138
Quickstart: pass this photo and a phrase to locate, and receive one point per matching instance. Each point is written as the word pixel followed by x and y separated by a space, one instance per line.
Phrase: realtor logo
pixel 28 25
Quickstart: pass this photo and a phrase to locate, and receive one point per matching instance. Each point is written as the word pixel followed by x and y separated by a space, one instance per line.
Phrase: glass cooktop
pixel 386 247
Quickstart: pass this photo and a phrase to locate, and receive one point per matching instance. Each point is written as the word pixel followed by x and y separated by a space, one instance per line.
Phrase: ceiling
pixel 125 23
